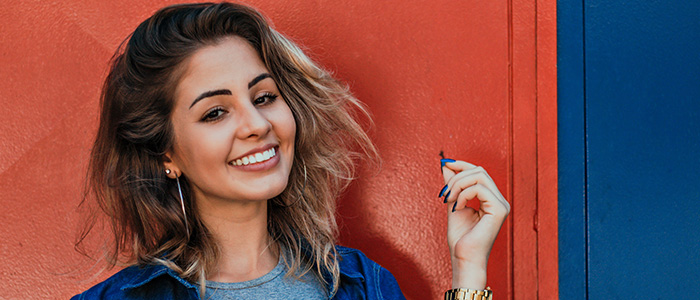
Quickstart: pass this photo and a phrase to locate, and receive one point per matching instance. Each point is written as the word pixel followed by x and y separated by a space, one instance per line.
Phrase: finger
pixel 447 174
pixel 459 166
pixel 488 201
pixel 456 166
pixel 469 180
pixel 458 183
pixel 472 176
pixel 463 174
pixel 464 196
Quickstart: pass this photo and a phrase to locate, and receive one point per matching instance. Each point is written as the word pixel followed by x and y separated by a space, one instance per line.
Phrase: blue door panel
pixel 641 108
pixel 572 151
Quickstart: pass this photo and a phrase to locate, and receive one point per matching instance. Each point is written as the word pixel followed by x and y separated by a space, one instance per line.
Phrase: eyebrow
pixel 258 79
pixel 228 92
pixel 211 94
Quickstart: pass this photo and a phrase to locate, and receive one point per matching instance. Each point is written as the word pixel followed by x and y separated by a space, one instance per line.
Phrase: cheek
pixel 199 148
pixel 285 124
pixel 292 127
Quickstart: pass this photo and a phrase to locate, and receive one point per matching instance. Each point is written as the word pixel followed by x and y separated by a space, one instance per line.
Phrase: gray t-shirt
pixel 272 285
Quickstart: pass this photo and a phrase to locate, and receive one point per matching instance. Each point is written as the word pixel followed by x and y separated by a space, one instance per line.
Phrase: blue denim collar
pixel 150 272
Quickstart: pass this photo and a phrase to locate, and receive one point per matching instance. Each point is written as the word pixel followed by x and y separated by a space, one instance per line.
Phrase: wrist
pixel 468 275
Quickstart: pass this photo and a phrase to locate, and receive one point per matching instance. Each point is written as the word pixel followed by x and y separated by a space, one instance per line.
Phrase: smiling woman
pixel 220 153
pixel 238 114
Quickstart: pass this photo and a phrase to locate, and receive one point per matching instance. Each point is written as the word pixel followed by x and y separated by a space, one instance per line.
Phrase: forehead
pixel 230 63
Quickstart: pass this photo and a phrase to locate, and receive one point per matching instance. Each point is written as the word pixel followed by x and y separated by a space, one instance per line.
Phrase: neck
pixel 246 250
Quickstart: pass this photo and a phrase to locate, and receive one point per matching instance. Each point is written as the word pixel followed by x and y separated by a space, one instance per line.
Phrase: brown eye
pixel 213 114
pixel 266 98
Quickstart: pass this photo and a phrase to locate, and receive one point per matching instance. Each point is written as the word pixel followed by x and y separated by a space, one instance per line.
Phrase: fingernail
pixel 442 191
pixel 446 160
pixel 454 207
pixel 446 196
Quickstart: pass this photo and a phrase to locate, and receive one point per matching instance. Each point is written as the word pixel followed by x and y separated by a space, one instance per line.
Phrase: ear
pixel 169 164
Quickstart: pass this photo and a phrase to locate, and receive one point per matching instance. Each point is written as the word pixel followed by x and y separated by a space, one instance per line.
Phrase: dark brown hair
pixel 126 174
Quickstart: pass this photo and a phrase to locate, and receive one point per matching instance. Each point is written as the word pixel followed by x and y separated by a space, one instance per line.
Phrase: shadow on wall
pixel 353 223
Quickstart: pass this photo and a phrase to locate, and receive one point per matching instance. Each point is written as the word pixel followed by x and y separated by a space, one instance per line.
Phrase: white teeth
pixel 255 158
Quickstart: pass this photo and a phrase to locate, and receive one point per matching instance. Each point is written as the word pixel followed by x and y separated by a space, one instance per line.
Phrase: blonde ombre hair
pixel 126 174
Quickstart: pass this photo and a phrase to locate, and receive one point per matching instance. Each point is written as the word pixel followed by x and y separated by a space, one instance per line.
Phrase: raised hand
pixel 471 232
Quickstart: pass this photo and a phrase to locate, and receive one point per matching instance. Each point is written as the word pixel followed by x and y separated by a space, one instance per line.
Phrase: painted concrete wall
pixel 437 75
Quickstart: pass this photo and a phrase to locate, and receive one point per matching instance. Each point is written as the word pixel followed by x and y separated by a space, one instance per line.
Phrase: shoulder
pixel 139 282
pixel 352 254
pixel 354 263
pixel 357 268
pixel 111 287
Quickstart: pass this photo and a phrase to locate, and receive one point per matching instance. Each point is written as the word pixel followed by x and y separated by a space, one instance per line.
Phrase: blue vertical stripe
pixel 572 150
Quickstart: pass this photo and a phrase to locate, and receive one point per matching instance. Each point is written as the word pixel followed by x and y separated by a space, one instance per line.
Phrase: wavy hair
pixel 126 173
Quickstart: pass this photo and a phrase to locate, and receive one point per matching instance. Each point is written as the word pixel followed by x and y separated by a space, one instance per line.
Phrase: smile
pixel 255 158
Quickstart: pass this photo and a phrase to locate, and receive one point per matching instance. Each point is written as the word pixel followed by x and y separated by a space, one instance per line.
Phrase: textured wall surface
pixel 435 75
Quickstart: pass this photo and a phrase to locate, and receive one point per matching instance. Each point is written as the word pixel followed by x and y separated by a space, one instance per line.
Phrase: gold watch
pixel 469 294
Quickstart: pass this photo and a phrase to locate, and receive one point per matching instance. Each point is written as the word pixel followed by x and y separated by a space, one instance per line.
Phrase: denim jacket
pixel 360 278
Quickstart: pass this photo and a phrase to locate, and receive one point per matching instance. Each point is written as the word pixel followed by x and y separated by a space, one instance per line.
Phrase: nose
pixel 253 123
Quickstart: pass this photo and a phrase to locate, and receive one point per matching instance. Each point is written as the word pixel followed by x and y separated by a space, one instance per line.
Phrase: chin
pixel 269 190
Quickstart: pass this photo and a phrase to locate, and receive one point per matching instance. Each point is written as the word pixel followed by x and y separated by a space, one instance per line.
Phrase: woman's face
pixel 234 134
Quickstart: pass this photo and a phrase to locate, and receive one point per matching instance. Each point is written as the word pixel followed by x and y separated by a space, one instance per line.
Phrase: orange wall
pixel 459 77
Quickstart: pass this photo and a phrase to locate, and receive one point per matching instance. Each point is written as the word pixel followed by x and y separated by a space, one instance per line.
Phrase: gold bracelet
pixel 469 294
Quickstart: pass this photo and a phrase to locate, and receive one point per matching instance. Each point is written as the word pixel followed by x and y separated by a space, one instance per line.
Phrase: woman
pixel 219 156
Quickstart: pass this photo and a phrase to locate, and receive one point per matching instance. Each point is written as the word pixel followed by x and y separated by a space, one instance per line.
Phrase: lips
pixel 257 155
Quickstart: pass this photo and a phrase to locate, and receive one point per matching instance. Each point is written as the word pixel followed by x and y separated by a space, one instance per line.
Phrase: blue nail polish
pixel 442 191
pixel 446 196
pixel 454 207
pixel 446 160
